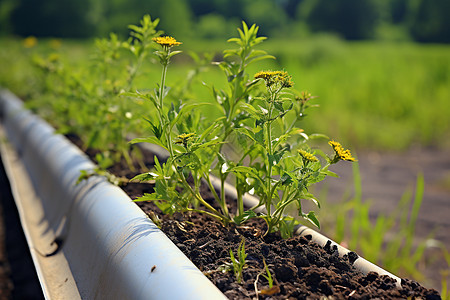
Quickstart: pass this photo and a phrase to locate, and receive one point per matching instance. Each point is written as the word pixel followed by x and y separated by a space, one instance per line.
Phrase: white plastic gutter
pixel 87 241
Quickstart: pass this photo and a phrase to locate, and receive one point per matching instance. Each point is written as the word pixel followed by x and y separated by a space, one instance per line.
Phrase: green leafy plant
pixel 255 139
pixel 282 166
pixel 266 154
pixel 183 148
pixel 274 160
pixel 92 107
pixel 239 263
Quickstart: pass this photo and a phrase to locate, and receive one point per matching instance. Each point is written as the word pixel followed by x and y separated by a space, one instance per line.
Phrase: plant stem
pixel 128 159
pixel 240 204
pixel 269 151
pixel 161 87
pixel 211 187
pixel 197 196
pixel 223 202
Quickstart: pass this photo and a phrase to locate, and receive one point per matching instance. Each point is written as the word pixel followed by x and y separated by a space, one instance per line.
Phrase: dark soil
pixel 5 271
pixel 18 278
pixel 300 268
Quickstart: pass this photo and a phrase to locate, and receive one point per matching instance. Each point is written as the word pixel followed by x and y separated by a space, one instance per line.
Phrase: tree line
pixel 417 20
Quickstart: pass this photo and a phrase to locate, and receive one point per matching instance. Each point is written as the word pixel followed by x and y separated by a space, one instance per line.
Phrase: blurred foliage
pixel 418 20
pixel 352 19
pixel 374 95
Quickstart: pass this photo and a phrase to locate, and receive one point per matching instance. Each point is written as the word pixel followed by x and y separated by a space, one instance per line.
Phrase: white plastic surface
pixel 113 251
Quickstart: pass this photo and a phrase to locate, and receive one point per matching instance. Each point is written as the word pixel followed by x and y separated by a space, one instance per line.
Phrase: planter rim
pixel 103 244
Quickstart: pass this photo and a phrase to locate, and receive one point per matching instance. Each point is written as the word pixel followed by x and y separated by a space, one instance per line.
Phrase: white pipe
pixel 109 249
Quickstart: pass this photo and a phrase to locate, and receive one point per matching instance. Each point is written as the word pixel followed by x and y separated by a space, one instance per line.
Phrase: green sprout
pixel 240 262
pixel 268 275
pixel 273 289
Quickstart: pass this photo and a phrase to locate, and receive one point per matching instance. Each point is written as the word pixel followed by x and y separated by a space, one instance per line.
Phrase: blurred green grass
pixel 377 95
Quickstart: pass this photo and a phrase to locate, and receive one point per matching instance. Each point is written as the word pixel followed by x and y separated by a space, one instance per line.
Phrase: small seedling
pixel 240 262
pixel 273 289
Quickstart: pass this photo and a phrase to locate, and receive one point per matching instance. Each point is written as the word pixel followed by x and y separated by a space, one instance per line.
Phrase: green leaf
pixel 249 214
pixel 243 169
pixel 312 198
pixel 284 137
pixel 330 173
pixel 211 128
pixel 148 197
pixel 208 144
pixel 259 136
pixel 286 179
pixel 274 159
pixel 278 105
pixel 250 172
pixel 171 114
pixel 158 167
pixel 311 216
pixel 172 53
pixel 252 111
pixel 247 132
pixel 145 177
pixel 137 94
pixel 287 225
pixel 318 136
pixel 185 109
pixel 151 140
pixel 231 78
pixel 156 129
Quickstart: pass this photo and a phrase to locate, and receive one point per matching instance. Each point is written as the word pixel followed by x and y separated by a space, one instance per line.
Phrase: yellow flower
pixel 30 42
pixel 307 156
pixel 264 75
pixel 184 138
pixel 340 152
pixel 166 41
pixel 282 78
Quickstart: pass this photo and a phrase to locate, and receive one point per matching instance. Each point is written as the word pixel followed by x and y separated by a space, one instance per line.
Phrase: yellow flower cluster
pixel 307 156
pixel 184 138
pixel 30 42
pixel 166 41
pixel 341 153
pixel 275 77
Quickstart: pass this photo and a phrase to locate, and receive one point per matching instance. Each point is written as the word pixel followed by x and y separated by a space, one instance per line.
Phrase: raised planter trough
pixel 90 241
pixel 87 241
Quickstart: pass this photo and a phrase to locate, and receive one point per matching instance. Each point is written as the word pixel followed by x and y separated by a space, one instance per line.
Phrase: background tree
pixel 429 20
pixel 420 20
pixel 352 19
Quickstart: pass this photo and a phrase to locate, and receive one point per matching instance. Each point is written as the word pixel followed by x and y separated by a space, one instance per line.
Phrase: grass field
pixel 371 94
